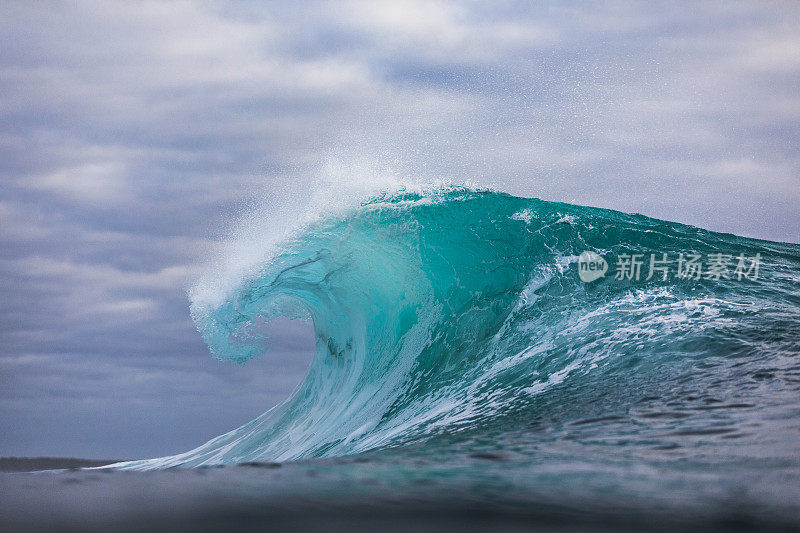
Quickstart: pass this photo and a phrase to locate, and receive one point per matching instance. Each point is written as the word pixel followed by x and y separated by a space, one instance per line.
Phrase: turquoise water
pixel 459 355
pixel 462 366
pixel 458 315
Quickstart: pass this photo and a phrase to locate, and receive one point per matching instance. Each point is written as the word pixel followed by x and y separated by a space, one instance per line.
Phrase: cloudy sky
pixel 133 134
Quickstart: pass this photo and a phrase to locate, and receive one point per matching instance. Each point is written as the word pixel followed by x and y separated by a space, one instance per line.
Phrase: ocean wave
pixel 452 310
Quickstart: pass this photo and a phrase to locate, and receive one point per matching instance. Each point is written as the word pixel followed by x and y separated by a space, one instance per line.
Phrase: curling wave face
pixel 456 314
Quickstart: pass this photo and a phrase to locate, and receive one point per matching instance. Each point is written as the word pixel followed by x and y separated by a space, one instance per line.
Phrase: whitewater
pixel 452 322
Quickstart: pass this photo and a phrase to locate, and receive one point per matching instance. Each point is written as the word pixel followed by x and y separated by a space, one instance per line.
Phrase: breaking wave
pixel 453 311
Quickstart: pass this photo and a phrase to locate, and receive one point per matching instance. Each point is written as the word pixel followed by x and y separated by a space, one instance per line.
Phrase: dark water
pixel 536 482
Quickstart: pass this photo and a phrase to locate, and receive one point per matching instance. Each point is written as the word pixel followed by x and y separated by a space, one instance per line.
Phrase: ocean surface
pixel 487 360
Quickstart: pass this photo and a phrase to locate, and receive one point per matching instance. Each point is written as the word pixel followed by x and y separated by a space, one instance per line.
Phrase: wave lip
pixel 451 311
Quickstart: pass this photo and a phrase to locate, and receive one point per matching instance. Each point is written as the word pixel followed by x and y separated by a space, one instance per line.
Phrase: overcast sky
pixel 132 134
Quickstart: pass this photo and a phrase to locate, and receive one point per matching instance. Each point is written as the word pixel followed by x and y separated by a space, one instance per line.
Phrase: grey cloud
pixel 132 134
